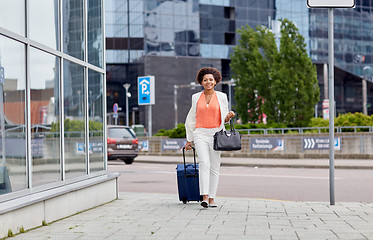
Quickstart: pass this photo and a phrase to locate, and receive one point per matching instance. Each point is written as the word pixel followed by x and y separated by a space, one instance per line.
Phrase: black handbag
pixel 227 140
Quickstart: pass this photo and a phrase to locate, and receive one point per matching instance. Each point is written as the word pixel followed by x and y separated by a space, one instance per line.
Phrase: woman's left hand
pixel 229 116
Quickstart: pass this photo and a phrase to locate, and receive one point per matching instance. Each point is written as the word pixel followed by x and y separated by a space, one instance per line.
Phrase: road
pixel 293 184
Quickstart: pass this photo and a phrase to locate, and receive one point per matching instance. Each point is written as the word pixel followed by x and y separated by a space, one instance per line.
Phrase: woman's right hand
pixel 188 145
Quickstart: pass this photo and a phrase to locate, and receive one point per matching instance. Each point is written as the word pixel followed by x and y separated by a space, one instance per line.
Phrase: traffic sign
pixel 146 90
pixel 318 143
pixel 276 144
pixel 331 3
pixel 115 108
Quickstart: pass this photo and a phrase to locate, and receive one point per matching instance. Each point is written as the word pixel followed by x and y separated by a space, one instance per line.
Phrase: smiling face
pixel 208 82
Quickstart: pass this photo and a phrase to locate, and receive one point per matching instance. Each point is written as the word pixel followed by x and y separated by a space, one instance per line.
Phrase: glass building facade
pixel 52 105
pixel 141 34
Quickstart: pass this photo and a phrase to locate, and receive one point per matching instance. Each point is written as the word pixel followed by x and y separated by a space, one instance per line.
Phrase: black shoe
pixel 204 204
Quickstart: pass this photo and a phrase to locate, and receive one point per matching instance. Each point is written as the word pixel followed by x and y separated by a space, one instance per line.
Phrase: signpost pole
pixel 175 104
pixel 331 103
pixel 331 4
pixel 150 120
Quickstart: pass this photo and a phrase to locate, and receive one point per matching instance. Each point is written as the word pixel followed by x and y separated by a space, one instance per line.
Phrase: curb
pixel 263 165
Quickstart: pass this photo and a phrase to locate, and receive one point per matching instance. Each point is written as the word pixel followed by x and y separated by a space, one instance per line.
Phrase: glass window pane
pixel 96 116
pixel 45 127
pixel 73 34
pixel 95 33
pixel 12 16
pixel 44 22
pixel 74 122
pixel 12 117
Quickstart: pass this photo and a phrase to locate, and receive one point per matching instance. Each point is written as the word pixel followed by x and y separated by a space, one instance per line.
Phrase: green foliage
pixel 22 230
pixel 76 127
pixel 10 233
pixel 282 83
pixel 178 132
pixel 356 119
pixel 319 122
pixel 251 63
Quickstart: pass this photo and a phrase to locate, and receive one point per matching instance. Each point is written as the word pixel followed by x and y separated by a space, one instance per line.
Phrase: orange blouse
pixel 208 116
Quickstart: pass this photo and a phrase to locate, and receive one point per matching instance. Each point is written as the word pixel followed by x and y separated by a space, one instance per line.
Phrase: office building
pixel 172 39
pixel 52 136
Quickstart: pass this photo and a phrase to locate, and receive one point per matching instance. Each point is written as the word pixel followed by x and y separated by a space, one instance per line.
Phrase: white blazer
pixel 190 122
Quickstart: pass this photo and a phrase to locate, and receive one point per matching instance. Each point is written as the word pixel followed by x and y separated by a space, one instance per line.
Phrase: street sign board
pixel 146 90
pixel 276 144
pixel 331 3
pixel 318 143
pixel 173 144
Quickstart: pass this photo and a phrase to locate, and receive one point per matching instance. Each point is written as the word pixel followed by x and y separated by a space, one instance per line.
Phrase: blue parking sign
pixel 145 86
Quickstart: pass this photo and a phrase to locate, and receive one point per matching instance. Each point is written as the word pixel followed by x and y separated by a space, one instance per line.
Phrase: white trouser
pixel 209 161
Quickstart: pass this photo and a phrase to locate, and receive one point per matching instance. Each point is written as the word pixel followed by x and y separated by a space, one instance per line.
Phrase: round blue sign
pixel 115 107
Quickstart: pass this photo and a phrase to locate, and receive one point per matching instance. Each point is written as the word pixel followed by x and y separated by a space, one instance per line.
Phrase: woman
pixel 208 114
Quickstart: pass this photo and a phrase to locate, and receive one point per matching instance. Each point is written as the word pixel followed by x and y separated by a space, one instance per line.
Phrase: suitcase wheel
pixel 184 200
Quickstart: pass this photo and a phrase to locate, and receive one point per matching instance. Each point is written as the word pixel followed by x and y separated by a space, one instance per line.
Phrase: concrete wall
pixel 353 145
pixel 32 210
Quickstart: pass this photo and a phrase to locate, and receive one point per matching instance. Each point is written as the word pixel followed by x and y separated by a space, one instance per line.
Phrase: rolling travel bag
pixel 188 180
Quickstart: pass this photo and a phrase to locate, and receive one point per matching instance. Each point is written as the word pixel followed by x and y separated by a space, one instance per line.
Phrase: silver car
pixel 121 143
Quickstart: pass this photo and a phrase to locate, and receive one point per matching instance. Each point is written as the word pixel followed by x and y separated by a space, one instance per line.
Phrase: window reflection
pixel 95 36
pixel 44 22
pixel 96 115
pixel 12 16
pixel 45 127
pixel 74 120
pixel 73 35
pixel 169 27
pixel 12 118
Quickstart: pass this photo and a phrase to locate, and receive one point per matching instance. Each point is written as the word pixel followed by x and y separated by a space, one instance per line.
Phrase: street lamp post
pixel 127 86
pixel 367 75
pixel 191 85
pixel 230 84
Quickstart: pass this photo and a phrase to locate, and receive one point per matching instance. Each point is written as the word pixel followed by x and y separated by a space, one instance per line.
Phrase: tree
pixel 280 82
pixel 251 63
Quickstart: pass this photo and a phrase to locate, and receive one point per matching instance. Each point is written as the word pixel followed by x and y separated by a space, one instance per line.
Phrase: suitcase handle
pixel 194 157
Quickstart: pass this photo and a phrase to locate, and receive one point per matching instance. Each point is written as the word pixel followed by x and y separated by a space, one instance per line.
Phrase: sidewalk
pixel 267 162
pixel 163 216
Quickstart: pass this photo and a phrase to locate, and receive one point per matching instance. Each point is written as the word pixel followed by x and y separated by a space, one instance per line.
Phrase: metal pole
pixel 127 86
pixel 175 104
pixel 2 112
pixel 127 121
pixel 331 103
pixel 365 110
pixel 150 120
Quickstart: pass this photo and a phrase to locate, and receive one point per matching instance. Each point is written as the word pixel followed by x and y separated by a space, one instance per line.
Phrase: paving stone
pixel 161 216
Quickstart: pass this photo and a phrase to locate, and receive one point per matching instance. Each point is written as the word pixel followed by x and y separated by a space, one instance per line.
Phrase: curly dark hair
pixel 208 70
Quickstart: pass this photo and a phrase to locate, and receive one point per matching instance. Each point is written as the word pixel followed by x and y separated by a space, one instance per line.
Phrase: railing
pixel 350 145
pixel 301 130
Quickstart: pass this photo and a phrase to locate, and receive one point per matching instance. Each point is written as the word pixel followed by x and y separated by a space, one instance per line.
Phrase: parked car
pixel 121 143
